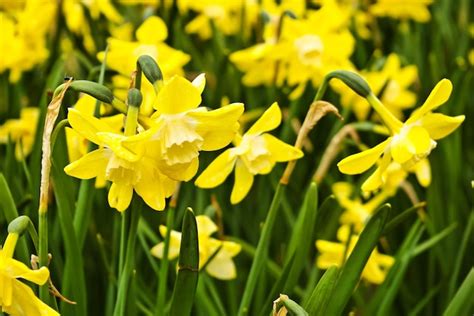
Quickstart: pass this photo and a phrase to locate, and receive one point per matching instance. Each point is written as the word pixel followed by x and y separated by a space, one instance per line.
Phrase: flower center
pixel 310 49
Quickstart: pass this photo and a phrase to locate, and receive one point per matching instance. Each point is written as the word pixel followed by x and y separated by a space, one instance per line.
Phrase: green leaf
pixel 462 302
pixel 291 306
pixel 188 268
pixel 321 294
pixel 352 270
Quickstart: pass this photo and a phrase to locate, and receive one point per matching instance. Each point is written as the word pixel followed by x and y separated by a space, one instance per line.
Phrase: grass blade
pixel 321 294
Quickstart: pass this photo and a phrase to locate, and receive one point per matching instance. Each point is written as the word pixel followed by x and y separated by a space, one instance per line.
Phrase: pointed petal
pixel 270 120
pixel 281 151
pixel 217 171
pixel 205 225
pixel 243 183
pixel 90 165
pixel 87 126
pixel 17 269
pixel 423 172
pixel 152 30
pixel 439 95
pixel 222 268
pixel 178 95
pixel 439 125
pixel 200 82
pixel 362 161
pixel 120 196
pixel 376 179
pixel 218 127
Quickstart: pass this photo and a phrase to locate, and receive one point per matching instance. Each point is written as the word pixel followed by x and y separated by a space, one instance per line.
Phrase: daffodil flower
pixel 17 298
pixel 127 168
pixel 409 142
pixel 221 265
pixel 356 213
pixel 256 152
pixel 22 131
pixel 181 128
pixel 416 10
pixel 332 253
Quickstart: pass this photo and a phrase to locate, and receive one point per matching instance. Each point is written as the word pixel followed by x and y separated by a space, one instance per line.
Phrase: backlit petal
pixel 90 165
pixel 439 95
pixel 205 225
pixel 178 95
pixel 243 183
pixel 281 151
pixel 362 161
pixel 269 120
pixel 222 268
pixel 217 171
pixel 200 82
pixel 439 125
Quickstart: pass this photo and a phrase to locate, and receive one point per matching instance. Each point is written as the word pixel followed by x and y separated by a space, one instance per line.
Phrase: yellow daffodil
pixel 25 27
pixel 22 131
pixel 356 213
pixel 77 145
pixel 409 142
pixel 17 298
pixel 402 9
pixel 391 84
pixel 256 152
pixel 181 128
pixel 221 265
pixel 332 253
pixel 128 169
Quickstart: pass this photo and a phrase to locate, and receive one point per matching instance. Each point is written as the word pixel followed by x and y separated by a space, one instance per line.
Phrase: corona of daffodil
pixel 221 265
pixel 21 131
pixel 17 298
pixel 332 254
pixel 409 142
pixel 256 152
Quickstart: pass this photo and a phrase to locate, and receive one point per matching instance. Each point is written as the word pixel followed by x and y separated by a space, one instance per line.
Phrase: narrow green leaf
pixel 433 240
pixel 322 293
pixel 462 303
pixel 188 268
pixel 291 306
pixel 350 274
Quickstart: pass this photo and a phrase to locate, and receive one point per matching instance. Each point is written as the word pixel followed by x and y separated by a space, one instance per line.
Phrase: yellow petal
pixel 90 165
pixel 152 30
pixel 152 186
pixel 405 146
pixel 243 183
pixel 376 179
pixel 175 242
pixel 423 172
pixel 362 161
pixel 439 125
pixel 16 269
pixel 87 126
pixel 116 143
pixel 281 151
pixel 218 127
pixel 217 171
pixel 200 82
pixel 205 225
pixel 120 196
pixel 222 268
pixel 439 95
pixel 26 303
pixel 269 120
pixel 177 95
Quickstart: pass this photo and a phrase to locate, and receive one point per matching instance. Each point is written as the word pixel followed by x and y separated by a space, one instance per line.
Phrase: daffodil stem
pixel 389 119
pixel 123 238
pixel 129 260
pixel 163 274
pixel 43 250
pixel 261 251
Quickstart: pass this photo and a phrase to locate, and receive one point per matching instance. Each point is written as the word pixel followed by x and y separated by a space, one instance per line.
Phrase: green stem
pixel 123 238
pixel 43 251
pixel 261 251
pixel 163 276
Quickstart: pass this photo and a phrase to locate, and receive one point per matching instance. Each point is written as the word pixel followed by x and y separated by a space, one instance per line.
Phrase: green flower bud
pixel 134 97
pixel 98 91
pixel 353 81
pixel 19 225
pixel 150 69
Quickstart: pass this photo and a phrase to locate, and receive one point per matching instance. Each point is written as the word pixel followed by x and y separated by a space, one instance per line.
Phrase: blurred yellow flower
pixel 24 28
pixel 17 298
pixel 356 213
pixel 22 131
pixel 256 152
pixel 410 142
pixel 391 84
pixel 221 265
pixel 181 128
pixel 332 254
pixel 127 168
pixel 402 9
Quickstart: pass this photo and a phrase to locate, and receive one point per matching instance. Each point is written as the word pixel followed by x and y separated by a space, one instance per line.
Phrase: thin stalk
pixel 43 251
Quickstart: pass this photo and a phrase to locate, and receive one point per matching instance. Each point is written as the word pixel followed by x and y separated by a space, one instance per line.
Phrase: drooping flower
pixel 221 265
pixel 181 128
pixel 256 152
pixel 17 298
pixel 410 142
pixel 332 253
pixel 129 169
pixel 21 131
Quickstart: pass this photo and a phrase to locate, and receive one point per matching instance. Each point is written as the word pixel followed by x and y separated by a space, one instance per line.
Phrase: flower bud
pixel 353 81
pixel 98 91
pixel 19 225
pixel 134 97
pixel 150 69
